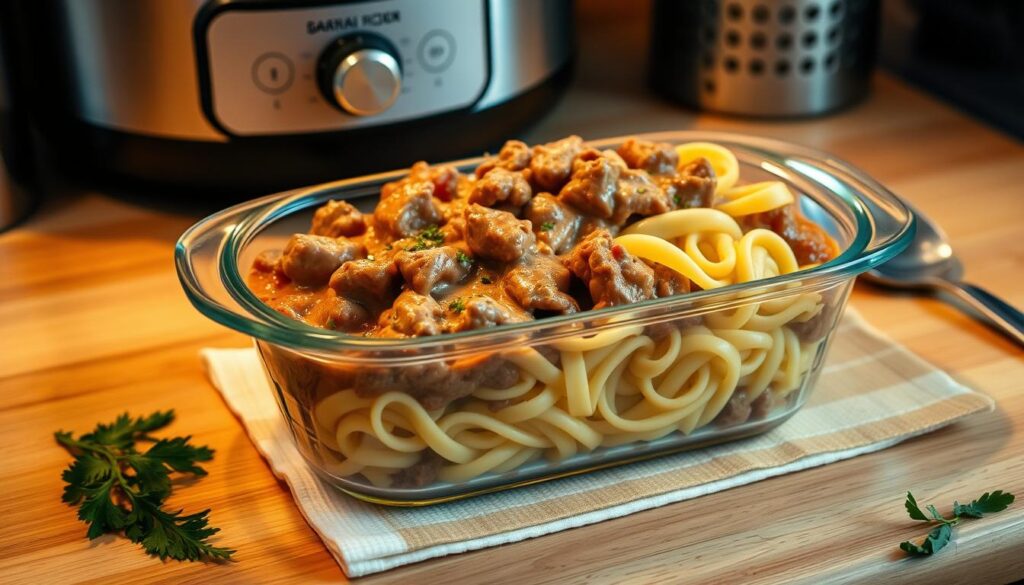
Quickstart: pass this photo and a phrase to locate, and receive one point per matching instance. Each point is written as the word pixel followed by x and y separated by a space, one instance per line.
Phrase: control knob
pixel 360 73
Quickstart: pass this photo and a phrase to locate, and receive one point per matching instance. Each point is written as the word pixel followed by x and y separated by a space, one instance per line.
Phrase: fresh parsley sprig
pixel 940 535
pixel 119 488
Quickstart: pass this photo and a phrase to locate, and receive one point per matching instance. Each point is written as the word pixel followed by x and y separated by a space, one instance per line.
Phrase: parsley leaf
pixel 940 535
pixel 430 237
pixel 457 306
pixel 123 431
pixel 464 258
pixel 116 487
pixel 486 280
pixel 988 503
pixel 547 226
pixel 171 535
pixel 912 508
pixel 937 538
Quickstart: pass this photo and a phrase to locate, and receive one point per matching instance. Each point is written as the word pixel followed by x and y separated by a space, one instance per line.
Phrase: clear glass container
pixel 704 367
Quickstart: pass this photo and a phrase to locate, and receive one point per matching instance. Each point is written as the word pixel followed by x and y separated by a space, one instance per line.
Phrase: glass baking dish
pixel 712 366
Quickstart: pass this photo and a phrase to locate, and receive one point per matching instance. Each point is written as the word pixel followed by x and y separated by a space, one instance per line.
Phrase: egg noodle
pixel 627 384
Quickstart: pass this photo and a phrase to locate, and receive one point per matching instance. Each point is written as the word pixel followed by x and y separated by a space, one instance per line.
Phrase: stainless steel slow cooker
pixel 271 93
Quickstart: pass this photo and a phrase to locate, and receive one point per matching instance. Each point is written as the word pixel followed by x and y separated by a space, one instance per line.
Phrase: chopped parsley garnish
pixel 547 226
pixel 677 199
pixel 463 258
pixel 486 280
pixel 121 488
pixel 457 306
pixel 430 237
pixel 939 536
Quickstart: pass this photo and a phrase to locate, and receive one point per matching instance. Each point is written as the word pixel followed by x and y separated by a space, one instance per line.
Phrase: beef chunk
pixel 497 235
pixel 294 306
pixel 603 186
pixel 593 186
pixel 818 326
pixel 407 210
pixel 669 282
pixel 551 164
pixel 426 271
pixel 340 314
pixel 412 315
pixel 438 383
pixel 613 275
pixel 540 284
pixel 501 186
pixel 810 244
pixel 483 312
pixel 372 283
pixel 513 156
pixel 310 260
pixel 637 194
pixel 693 186
pixel 653 157
pixel 762 405
pixel 338 218
pixel 419 474
pixel 740 409
pixel 589 225
pixel 444 179
pixel 267 261
pixel 554 222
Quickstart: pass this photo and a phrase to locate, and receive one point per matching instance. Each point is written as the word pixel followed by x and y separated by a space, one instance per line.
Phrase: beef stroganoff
pixel 555 229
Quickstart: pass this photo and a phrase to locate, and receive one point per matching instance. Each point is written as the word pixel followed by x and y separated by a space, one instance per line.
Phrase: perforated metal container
pixel 764 57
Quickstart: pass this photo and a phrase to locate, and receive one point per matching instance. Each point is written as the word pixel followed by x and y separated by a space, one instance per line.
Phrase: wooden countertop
pixel 93 323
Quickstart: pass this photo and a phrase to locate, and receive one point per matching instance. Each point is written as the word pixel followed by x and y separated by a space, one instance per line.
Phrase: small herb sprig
pixel 430 237
pixel 939 536
pixel 116 487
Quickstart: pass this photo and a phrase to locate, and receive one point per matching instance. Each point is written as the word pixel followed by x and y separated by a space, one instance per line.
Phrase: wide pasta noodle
pixel 755 198
pixel 618 385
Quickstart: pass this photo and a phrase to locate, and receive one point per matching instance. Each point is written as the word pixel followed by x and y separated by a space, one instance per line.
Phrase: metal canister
pixel 764 57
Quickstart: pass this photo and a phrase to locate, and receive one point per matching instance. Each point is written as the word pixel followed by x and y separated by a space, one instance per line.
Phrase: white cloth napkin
pixel 872 394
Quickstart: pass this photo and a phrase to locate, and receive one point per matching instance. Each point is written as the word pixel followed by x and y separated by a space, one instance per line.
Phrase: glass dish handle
pixel 196 257
pixel 892 222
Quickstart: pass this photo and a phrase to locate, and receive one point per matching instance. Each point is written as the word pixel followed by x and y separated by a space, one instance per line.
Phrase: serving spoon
pixel 928 264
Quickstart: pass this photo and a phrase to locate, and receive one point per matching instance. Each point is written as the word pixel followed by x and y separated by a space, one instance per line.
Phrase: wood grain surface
pixel 93 323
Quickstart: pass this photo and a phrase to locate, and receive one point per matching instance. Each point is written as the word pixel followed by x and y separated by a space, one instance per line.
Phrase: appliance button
pixel 436 51
pixel 273 73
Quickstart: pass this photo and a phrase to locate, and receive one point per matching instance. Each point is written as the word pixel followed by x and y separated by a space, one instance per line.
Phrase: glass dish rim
pixel 281 330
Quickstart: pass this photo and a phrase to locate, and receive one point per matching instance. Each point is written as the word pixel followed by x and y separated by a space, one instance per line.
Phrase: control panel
pixel 333 67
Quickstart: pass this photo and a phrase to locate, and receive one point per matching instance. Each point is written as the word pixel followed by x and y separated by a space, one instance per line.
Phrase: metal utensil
pixel 928 264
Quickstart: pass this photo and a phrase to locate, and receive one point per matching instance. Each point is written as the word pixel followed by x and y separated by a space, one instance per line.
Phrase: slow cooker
pixel 268 94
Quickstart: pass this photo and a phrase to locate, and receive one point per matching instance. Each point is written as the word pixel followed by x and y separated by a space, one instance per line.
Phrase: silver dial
pixel 367 82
